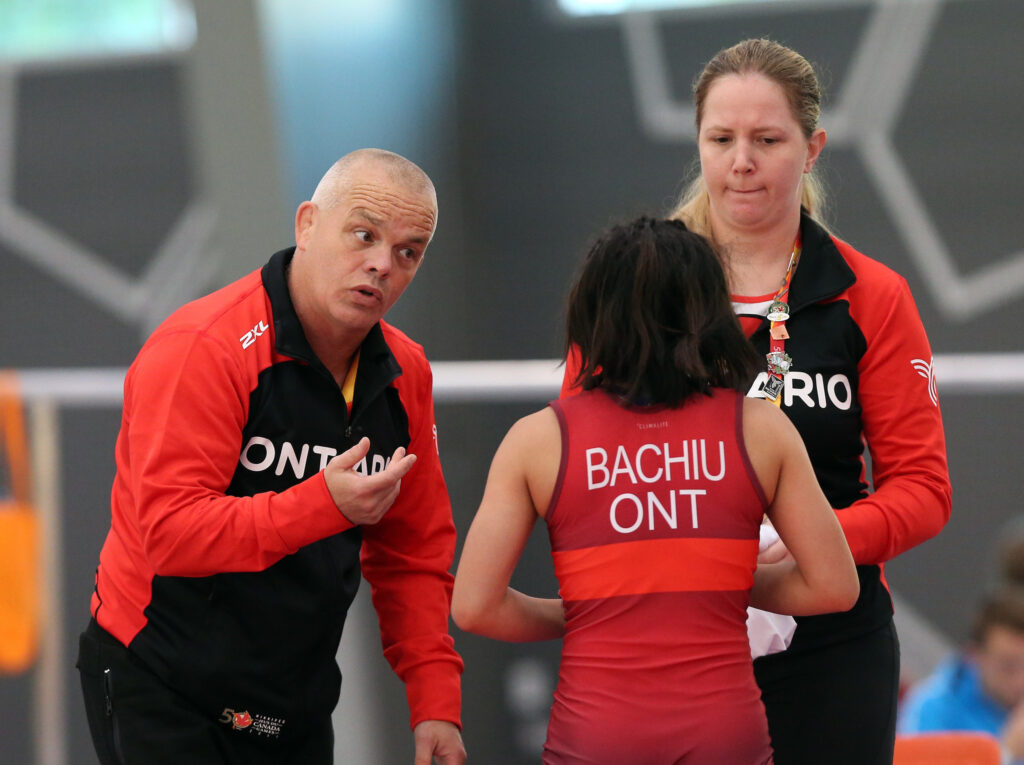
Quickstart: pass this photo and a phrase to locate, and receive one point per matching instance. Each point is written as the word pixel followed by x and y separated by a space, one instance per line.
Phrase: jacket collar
pixel 823 272
pixel 290 338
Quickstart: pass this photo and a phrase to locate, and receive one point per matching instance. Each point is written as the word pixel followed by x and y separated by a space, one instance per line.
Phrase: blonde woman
pixel 846 358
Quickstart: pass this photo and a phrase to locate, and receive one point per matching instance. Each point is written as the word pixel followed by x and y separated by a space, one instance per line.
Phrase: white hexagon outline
pixel 883 68
pixel 180 268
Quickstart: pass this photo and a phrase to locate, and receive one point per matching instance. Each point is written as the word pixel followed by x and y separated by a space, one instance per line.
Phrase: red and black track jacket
pixel 228 569
pixel 862 373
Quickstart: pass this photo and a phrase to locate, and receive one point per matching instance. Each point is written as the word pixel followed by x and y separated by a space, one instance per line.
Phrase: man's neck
pixel 336 355
pixel 334 347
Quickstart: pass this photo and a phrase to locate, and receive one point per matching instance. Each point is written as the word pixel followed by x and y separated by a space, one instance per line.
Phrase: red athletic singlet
pixel 654 528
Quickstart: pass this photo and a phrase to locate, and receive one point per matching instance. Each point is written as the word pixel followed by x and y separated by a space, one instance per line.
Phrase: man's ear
pixel 305 217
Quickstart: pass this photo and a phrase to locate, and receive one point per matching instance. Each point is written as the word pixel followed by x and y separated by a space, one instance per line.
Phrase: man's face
pixel 1000 661
pixel 354 260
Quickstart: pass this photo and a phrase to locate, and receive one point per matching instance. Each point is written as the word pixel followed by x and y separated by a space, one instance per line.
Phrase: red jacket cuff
pixel 306 513
pixel 434 692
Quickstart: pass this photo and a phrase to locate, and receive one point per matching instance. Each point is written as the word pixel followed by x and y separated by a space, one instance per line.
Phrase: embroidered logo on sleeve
pixel 927 371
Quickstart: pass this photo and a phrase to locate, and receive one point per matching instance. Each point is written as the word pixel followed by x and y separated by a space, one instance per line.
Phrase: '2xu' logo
pixel 250 337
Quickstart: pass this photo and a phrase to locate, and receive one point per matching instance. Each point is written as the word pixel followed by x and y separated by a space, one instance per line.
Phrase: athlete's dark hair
pixel 651 318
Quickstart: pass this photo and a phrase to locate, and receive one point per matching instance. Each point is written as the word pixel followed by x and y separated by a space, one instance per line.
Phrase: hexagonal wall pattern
pixel 95 185
pixel 875 92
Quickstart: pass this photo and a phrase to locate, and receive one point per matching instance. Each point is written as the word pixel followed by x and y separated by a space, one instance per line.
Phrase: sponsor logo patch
pixel 255 723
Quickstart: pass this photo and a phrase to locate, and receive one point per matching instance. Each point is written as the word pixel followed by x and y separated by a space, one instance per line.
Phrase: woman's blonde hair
pixel 799 82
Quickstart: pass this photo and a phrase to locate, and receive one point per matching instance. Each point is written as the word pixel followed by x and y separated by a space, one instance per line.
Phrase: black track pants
pixel 835 704
pixel 135 719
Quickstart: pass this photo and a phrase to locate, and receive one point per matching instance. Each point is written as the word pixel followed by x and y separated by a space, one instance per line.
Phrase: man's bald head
pixel 358 243
pixel 347 171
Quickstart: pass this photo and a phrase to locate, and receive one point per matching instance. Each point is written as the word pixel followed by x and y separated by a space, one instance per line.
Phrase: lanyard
pixel 348 389
pixel 779 362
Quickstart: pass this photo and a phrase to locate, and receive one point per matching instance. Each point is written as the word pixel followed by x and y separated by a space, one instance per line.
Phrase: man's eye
pixel 363 235
pixel 408 253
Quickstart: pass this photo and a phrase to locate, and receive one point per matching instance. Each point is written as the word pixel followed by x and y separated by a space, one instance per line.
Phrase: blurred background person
pixel 654 540
pixel 981 688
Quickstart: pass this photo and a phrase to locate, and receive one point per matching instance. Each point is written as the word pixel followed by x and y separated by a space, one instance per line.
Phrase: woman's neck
pixel 756 262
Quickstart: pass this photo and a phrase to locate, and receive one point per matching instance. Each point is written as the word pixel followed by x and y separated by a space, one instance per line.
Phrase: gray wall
pixel 543 139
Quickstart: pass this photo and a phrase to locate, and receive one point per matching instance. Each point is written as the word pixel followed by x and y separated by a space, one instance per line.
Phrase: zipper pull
pixel 108 691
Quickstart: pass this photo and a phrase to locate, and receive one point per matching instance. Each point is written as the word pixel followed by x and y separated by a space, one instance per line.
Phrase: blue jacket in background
pixel 951 699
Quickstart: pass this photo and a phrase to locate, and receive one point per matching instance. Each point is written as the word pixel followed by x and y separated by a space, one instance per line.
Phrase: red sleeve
pixel 186 403
pixel 912 499
pixel 407 558
pixel 572 368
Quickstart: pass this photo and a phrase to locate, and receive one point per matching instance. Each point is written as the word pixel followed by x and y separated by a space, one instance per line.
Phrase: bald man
pixel 278 440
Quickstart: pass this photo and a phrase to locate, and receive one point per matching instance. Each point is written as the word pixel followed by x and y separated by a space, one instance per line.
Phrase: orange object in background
pixel 19 539
pixel 952 748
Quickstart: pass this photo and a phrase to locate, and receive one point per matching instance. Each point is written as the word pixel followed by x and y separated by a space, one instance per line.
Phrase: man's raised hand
pixel 364 499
